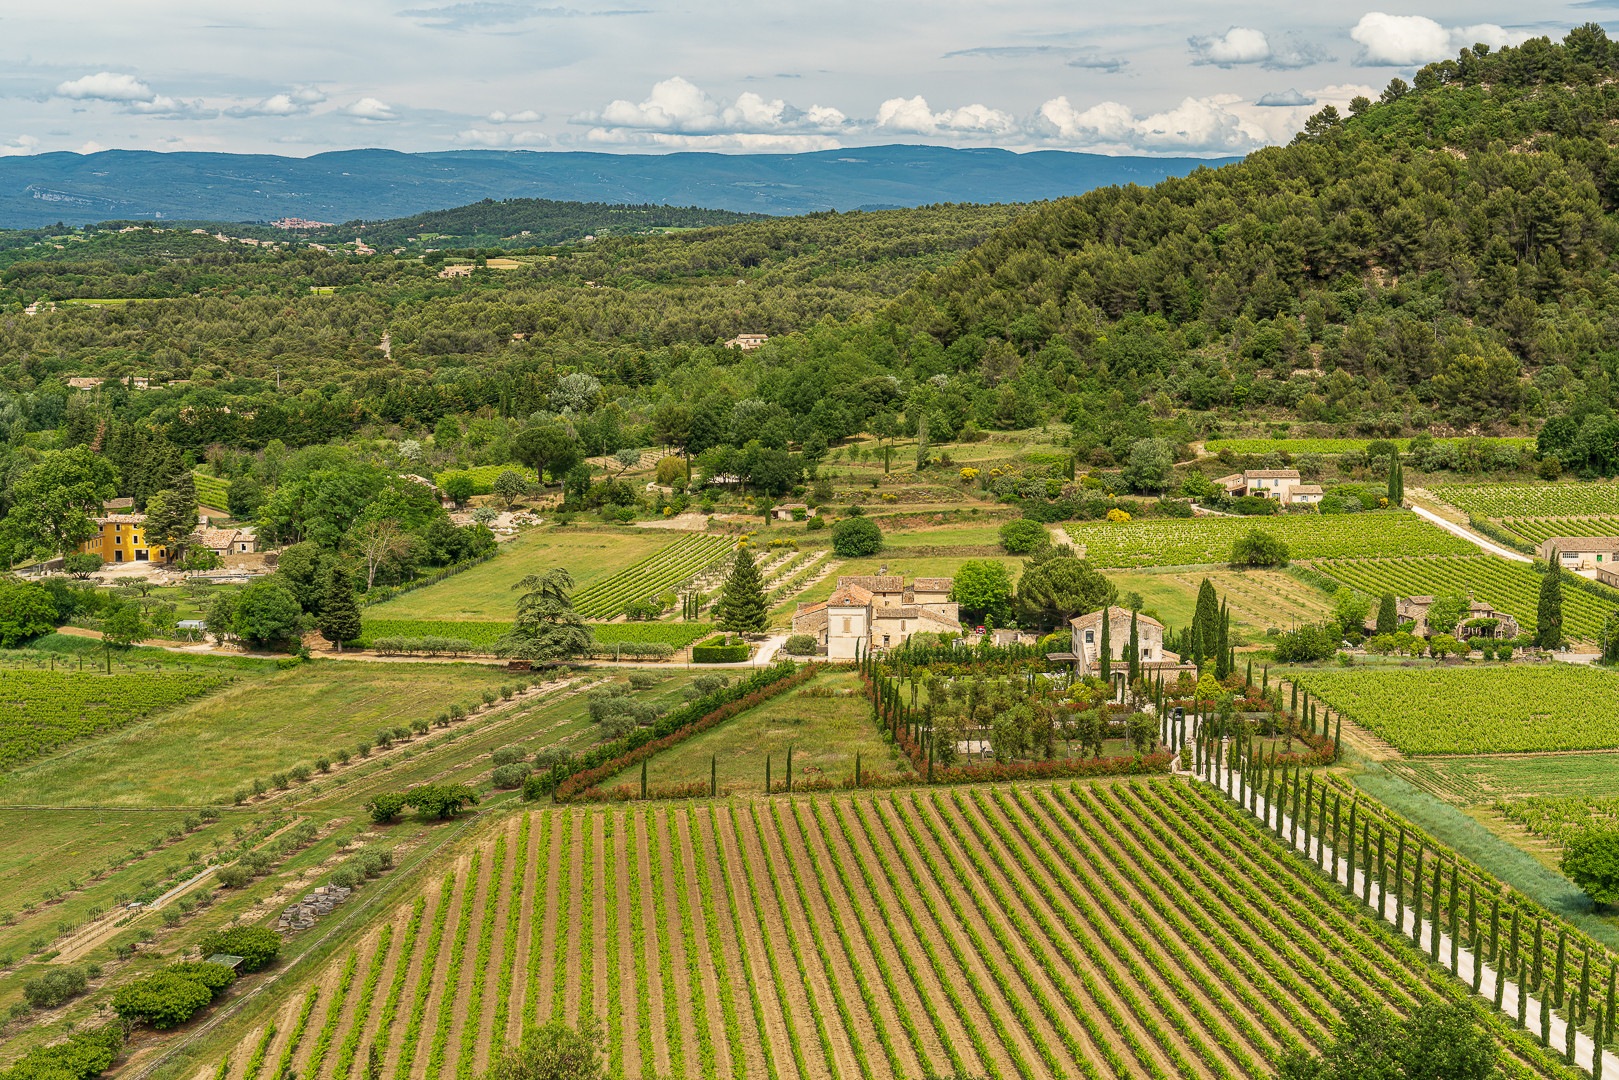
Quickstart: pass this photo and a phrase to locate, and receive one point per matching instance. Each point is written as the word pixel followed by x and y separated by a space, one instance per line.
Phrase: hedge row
pixel 721 650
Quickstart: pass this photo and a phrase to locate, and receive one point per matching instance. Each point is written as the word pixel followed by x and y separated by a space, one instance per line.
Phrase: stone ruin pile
pixel 302 915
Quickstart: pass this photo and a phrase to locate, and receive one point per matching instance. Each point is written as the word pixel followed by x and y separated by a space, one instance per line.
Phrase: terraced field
pixel 1308 536
pixel 1537 500
pixel 660 571
pixel 1110 930
pixel 1508 586
pixel 212 491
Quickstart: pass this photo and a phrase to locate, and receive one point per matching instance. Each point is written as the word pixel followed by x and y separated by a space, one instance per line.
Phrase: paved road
pixel 1471 537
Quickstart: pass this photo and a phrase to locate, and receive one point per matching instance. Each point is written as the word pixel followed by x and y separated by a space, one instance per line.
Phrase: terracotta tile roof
pixel 1272 474
pixel 1084 622
pixel 933 584
pixel 875 582
pixel 1582 543
pixel 850 594
pixel 1307 489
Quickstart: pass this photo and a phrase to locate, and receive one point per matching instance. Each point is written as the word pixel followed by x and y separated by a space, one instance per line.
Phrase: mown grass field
pixel 1471 780
pixel 1506 709
pixel 1125 930
pixel 485 591
pixel 199 753
pixel 825 733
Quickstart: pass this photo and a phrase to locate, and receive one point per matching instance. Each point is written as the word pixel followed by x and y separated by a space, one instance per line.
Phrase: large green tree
pixel 742 607
pixel 1439 1041
pixel 546 448
pixel 1591 861
pixel 1054 591
pixel 1388 616
pixel 55 501
pixel 983 588
pixel 26 611
pixel 267 613
pixel 546 626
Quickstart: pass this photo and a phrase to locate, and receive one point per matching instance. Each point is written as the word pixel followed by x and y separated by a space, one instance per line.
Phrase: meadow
pixel 1471 780
pixel 1512 587
pixel 1186 542
pixel 1127 930
pixel 1508 709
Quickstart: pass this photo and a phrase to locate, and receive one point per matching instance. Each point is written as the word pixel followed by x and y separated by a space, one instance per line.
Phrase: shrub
pixel 510 776
pixel 281 780
pixel 213 976
pixel 419 725
pixel 300 772
pixel 854 538
pixel 1023 536
pixel 643 680
pixel 363 748
pixel 54 987
pixel 720 649
pixel 1591 861
pixel 162 1000
pixel 346 877
pixel 490 697
pixel 801 645
pixel 257 946
pixel 386 807
pixel 507 755
pixel 384 739
pixel 324 764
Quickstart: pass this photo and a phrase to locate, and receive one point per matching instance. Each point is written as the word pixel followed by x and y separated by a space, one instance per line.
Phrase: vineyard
pixel 1326 446
pixel 212 491
pixel 1511 587
pixel 1147 929
pixel 1537 529
pixel 42 710
pixel 1492 710
pixel 657 573
pixel 485 634
pixel 1539 500
pixel 1185 542
pixel 1561 817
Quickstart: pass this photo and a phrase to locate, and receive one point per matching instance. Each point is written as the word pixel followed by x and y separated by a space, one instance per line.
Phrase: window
pixel 846 624
pixel 1146 654
pixel 1090 637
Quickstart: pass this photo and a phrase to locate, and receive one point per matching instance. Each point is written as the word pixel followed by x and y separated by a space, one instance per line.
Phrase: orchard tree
pixel 508 486
pixel 1591 861
pixel 81 564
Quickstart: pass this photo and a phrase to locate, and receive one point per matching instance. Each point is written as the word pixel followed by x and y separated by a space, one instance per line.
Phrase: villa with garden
pixel 878 611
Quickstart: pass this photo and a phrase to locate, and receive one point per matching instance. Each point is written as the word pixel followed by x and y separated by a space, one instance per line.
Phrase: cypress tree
pixel 1437 898
pixel 643 779
pixel 1512 957
pixel 1597 1041
pixel 1337 840
pixel 767 774
pixel 1366 862
pixel 1523 994
pixel 1393 493
pixel 1107 650
pixel 1388 619
pixel 742 608
pixel 1293 709
pixel 1416 901
pixel 1562 958
pixel 1613 997
pixel 1205 624
pixel 1337 738
pixel 789 768
pixel 1585 988
pixel 713 775
pixel 1351 878
pixel 1265 677
pixel 1549 613
pixel 1382 873
pixel 1472 936
pixel 1248 679
pixel 1538 957
pixel 1399 883
pixel 1135 648
pixel 1222 663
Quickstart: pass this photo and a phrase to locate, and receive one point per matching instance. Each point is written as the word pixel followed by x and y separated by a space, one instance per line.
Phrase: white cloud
pixel 1412 40
pixel 677 106
pixel 744 142
pixel 483 137
pixel 21 146
pixel 911 116
pixel 527 116
pixel 106 86
pixel 296 102
pixel 369 108
pixel 91 147
pixel 126 90
pixel 1196 125
pixel 1238 45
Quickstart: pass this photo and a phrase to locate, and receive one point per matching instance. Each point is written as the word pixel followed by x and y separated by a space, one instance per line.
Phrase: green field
pixel 1561 818
pixel 1570 498
pixel 200 753
pixel 963 536
pixel 825 733
pixel 485 634
pixel 1483 710
pixel 212 491
pixel 1512 587
pixel 1471 780
pixel 1186 542
pixel 485 591
pixel 43 710
pixel 1537 529
pixel 1330 446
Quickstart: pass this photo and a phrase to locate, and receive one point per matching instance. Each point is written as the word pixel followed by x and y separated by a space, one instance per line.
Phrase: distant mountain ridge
pixel 376 184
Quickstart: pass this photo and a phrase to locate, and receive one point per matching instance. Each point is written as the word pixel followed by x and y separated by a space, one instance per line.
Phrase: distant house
pixel 224 542
pixel 85 382
pixel 791 512
pixel 878 611
pixel 747 342
pixel 1414 609
pixel 1266 483
pixel 1306 495
pixel 122 538
pixel 1581 552
pixel 1086 651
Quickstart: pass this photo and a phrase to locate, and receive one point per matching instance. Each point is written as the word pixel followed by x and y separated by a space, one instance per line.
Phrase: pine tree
pixel 742 608
pixel 1388 618
pixel 1549 615
pixel 1135 648
pixel 339 614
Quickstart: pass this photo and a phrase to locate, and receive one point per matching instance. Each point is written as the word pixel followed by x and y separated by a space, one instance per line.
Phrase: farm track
pixel 1141 930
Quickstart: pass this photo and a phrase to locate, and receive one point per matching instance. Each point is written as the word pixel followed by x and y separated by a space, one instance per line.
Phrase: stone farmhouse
pixel 1581 552
pixel 878 611
pixel 1415 609
pixel 1283 485
pixel 1086 652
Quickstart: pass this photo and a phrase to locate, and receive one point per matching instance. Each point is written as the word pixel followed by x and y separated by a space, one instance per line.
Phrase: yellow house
pixel 121 538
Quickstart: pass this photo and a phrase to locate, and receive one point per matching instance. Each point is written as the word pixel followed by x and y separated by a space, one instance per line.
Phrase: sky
pixel 300 77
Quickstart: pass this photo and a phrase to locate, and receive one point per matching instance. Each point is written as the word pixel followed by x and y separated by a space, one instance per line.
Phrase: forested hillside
pixel 1438 261
pixel 528 222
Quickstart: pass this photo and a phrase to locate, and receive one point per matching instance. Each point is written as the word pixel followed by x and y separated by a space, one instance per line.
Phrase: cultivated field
pixel 1537 529
pixel 1536 500
pixel 1328 446
pixel 662 570
pixel 1208 540
pixel 1512 587
pixel 1508 709
pixel 42 710
pixel 485 591
pixel 1470 780
pixel 1122 930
